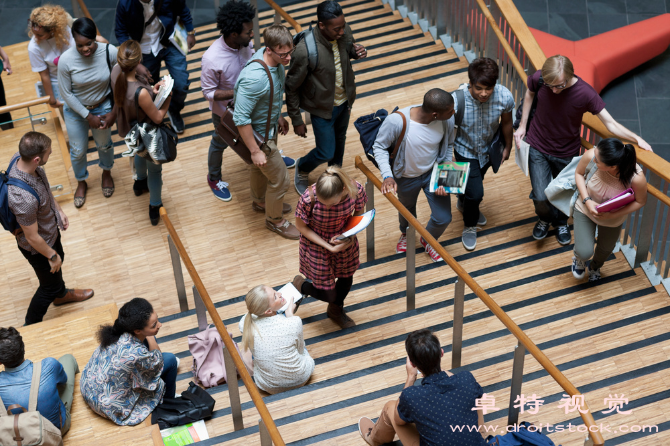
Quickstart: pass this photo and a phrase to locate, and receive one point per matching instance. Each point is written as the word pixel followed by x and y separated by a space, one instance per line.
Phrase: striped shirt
pixel 480 122
pixel 340 93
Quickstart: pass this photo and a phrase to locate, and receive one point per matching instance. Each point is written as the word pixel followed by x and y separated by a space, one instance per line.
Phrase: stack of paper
pixel 356 224
pixel 291 294
pixel 164 91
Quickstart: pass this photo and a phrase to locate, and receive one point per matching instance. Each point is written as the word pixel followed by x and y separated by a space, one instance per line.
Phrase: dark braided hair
pixel 133 315
pixel 232 15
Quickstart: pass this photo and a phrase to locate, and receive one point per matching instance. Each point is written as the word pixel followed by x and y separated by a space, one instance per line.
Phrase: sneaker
pixel 300 181
pixel 482 219
pixel 290 162
pixel 540 230
pixel 177 122
pixel 402 244
pixel 563 235
pixel 594 275
pixel 434 256
pixel 578 268
pixel 286 229
pixel 469 238
pixel 365 426
pixel 220 189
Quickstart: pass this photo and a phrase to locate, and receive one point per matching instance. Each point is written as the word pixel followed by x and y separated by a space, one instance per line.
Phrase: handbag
pixel 194 405
pixel 146 139
pixel 562 192
pixel 206 347
pixel 495 149
pixel 229 132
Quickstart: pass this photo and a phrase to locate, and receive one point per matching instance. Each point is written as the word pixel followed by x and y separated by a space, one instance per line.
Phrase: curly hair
pixel 53 19
pixel 232 15
pixel 12 349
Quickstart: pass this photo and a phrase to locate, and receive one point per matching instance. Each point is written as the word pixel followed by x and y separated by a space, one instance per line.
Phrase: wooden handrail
pixel 223 331
pixel 285 15
pixel 530 346
pixel 31 103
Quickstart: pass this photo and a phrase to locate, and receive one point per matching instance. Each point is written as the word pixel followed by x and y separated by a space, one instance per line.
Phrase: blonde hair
pixel 257 304
pixel 128 57
pixel 333 181
pixel 555 66
pixel 53 19
pixel 276 36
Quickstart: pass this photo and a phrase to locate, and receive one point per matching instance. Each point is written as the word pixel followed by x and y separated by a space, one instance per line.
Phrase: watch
pixel 53 257
pixel 191 33
pixel 585 200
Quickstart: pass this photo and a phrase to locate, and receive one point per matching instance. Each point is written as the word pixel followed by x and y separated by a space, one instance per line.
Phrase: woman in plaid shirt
pixel 329 264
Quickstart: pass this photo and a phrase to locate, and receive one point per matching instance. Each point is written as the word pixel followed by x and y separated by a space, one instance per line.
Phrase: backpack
pixel 194 405
pixel 368 126
pixel 522 436
pixel 7 217
pixel 310 44
pixel 519 109
pixel 209 369
pixel 28 428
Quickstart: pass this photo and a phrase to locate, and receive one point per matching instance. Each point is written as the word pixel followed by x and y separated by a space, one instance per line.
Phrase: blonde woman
pixel 329 263
pixel 272 344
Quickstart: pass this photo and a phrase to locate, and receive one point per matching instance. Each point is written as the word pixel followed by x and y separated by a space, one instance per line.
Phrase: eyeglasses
pixel 558 87
pixel 284 55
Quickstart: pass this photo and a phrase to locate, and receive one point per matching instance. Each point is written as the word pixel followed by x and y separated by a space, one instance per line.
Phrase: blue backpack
pixel 368 127
pixel 522 437
pixel 7 218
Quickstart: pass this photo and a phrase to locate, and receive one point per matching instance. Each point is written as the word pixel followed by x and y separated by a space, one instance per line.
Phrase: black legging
pixel 4 117
pixel 335 296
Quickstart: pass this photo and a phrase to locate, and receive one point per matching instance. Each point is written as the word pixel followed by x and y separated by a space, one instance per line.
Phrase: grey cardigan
pixel 389 133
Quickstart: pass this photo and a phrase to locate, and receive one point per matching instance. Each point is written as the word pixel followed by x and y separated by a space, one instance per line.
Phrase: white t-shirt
pixel 45 54
pixel 422 144
pixel 150 42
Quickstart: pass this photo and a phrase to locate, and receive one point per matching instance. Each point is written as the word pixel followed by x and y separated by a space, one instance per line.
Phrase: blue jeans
pixel 440 206
pixel 169 374
pixel 329 136
pixel 153 173
pixel 175 62
pixel 544 168
pixel 77 131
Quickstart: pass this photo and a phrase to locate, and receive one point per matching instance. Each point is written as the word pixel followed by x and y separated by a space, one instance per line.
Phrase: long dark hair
pixel 133 315
pixel 128 57
pixel 614 153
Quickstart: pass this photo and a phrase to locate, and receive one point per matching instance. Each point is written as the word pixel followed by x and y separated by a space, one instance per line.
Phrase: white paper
pixel 164 91
pixel 366 218
pixel 199 427
pixel 288 291
pixel 521 157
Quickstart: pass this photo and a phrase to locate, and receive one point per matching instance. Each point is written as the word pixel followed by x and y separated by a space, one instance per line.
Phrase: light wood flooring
pixel 607 338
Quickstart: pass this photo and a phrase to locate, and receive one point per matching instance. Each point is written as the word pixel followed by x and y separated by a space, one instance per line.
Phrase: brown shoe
pixel 298 281
pixel 73 296
pixel 286 229
pixel 286 208
pixel 365 426
pixel 337 314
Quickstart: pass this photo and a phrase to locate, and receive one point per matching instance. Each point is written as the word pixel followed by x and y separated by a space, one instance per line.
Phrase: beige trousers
pixel 270 182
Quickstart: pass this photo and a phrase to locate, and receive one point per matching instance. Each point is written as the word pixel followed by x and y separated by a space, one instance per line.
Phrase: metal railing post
pixel 265 435
pixel 411 268
pixel 178 276
pixel 200 310
pixel 517 380
pixel 588 441
pixel 257 29
pixel 233 391
pixel 647 223
pixel 457 332
pixel 370 230
pixel 277 18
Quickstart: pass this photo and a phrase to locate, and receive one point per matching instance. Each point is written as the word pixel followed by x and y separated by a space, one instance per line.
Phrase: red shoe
pixel 434 256
pixel 402 244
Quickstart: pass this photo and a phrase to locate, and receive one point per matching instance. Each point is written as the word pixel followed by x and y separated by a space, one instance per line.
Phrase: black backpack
pixel 194 405
pixel 519 110
pixel 368 127
pixel 7 217
pixel 310 43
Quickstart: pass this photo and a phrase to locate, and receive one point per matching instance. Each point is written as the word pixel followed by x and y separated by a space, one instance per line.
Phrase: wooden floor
pixel 607 338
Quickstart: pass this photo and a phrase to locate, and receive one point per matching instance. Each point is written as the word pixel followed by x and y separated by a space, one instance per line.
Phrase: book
pixel 621 200
pixel 356 224
pixel 288 291
pixel 183 435
pixel 452 175
pixel 164 91
pixel 179 36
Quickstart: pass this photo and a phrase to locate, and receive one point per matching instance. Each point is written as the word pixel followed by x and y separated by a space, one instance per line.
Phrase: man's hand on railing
pixel 644 144
pixel 389 185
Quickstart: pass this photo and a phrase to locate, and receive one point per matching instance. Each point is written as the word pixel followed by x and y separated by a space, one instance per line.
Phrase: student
pixel 272 344
pixel 268 174
pixel 39 238
pixel 553 135
pixel 329 263
pixel 487 107
pixel 326 92
pixel 83 80
pixel 125 83
pixel 424 414
pixel 128 375
pixel 429 138
pixel 617 170
pixel 54 400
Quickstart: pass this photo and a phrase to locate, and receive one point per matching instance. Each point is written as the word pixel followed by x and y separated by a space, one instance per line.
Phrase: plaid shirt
pixel 28 211
pixel 480 122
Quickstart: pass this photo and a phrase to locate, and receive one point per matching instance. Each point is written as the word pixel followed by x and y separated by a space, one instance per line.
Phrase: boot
pixel 73 296
pixel 337 314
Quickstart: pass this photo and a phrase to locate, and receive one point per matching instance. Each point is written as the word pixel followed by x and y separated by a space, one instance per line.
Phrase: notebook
pixel 621 200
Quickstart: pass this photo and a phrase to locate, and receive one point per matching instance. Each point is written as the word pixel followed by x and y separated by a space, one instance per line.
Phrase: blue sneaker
pixel 578 268
pixel 290 162
pixel 220 189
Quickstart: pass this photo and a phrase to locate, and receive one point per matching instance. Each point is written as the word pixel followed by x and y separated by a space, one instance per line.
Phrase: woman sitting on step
pixel 273 346
pixel 617 170
pixel 128 375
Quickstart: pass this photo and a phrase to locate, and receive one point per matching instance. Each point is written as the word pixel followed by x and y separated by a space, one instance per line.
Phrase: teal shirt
pixel 252 95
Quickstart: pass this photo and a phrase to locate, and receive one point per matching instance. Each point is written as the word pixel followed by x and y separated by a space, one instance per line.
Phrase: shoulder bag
pixel 229 132
pixel 194 405
pixel 562 191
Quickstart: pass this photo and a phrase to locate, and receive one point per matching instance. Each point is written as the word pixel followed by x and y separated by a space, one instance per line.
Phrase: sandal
pixel 80 200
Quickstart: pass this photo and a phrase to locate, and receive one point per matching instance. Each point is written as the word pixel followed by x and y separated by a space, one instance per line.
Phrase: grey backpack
pixel 310 43
pixel 28 428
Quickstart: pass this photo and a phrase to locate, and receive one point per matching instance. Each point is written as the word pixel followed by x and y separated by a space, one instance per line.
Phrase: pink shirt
pixel 221 66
